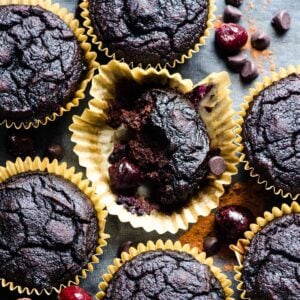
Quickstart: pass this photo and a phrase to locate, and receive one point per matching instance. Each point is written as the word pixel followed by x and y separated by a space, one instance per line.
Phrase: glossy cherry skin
pixel 74 293
pixel 232 221
pixel 124 175
pixel 231 37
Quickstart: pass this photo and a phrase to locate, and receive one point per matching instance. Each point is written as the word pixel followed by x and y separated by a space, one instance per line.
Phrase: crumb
pixel 218 22
pixel 251 5
pixel 228 268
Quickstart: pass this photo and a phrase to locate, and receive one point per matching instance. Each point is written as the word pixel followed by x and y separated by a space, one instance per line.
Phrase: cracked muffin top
pixel 164 275
pixel 41 63
pixel 271 265
pixel 166 150
pixel 48 230
pixel 149 31
pixel 271 134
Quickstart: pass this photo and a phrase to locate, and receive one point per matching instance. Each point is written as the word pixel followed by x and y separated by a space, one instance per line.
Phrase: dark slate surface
pixel 286 49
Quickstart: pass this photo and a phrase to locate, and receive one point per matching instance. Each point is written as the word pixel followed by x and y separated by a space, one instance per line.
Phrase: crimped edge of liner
pixel 168 245
pixel 253 92
pixel 87 23
pixel 86 138
pixel 89 57
pixel 241 248
pixel 27 165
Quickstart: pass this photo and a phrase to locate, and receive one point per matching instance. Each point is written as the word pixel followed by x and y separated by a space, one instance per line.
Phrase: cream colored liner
pixel 94 142
pixel 242 246
pixel 20 166
pixel 90 59
pixel 254 92
pixel 84 5
pixel 168 245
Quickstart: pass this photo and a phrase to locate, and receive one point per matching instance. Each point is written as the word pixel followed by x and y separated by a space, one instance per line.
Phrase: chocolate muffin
pixel 271 134
pixel 149 31
pixel 41 63
pixel 166 150
pixel 271 265
pixel 48 230
pixel 166 275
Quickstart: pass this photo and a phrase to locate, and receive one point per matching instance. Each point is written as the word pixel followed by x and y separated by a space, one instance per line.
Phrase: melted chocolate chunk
pixel 149 31
pixel 164 275
pixel 48 230
pixel 41 63
pixel 271 134
pixel 271 265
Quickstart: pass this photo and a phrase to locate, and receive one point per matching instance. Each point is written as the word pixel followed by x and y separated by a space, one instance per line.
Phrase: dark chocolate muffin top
pixel 41 63
pixel 164 275
pixel 167 149
pixel 149 31
pixel 272 263
pixel 48 230
pixel 271 134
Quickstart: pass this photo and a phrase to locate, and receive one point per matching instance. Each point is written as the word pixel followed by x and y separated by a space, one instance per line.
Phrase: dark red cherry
pixel 233 220
pixel 74 293
pixel 124 175
pixel 231 37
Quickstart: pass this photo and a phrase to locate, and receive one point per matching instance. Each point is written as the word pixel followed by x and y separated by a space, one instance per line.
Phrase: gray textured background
pixel 286 51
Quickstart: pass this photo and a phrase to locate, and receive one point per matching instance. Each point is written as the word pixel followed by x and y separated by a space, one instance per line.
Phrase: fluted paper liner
pixel 85 14
pixel 89 58
pixel 94 142
pixel 254 92
pixel 168 245
pixel 28 165
pixel 242 246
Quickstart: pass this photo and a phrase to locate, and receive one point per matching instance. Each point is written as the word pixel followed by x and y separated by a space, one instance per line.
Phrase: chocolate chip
pixel 232 14
pixel 211 245
pixel 236 62
pixel 249 71
pixel 124 247
pixel 282 21
pixel 217 165
pixel 20 143
pixel 235 3
pixel 55 151
pixel 260 40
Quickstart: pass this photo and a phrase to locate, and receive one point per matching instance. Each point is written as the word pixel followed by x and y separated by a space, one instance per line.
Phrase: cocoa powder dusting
pixel 248 194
